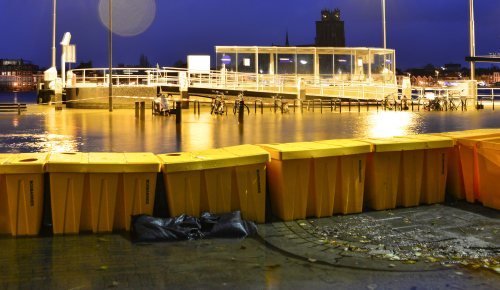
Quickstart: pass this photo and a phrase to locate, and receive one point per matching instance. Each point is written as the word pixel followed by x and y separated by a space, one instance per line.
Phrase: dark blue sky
pixel 421 31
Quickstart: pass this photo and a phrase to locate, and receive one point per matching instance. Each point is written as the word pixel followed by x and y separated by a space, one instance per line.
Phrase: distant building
pixel 330 29
pixel 18 75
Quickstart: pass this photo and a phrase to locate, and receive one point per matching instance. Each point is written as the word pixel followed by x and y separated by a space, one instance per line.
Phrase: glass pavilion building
pixel 313 64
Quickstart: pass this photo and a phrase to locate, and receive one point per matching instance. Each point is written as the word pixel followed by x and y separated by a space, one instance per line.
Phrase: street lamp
pixel 54 33
pixel 472 41
pixel 383 23
pixel 110 54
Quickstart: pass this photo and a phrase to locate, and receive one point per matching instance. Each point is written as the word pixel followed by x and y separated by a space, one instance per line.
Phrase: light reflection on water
pixel 42 129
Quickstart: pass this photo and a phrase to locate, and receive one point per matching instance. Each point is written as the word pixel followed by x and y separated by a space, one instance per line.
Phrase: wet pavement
pixel 452 246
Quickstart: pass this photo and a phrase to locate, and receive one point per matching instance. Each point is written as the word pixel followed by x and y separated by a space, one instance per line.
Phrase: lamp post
pixel 472 41
pixel 110 54
pixel 54 33
pixel 383 23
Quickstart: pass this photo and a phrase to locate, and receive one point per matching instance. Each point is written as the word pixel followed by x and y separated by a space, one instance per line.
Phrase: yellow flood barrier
pixel 304 178
pixel 488 155
pixel 458 185
pixel 394 172
pixel 435 171
pixel 99 198
pixel 67 178
pixel 250 181
pixel 136 194
pixel 4 208
pixel 216 180
pixel 350 177
pixel 469 164
pixel 23 174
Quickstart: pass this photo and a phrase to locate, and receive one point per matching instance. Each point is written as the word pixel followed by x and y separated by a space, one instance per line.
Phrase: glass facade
pixel 329 64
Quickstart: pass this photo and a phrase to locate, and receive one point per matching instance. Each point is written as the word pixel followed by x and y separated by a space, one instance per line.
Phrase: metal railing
pixel 322 85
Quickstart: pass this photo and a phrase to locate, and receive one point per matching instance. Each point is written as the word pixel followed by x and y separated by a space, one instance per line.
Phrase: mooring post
pixel 241 112
pixel 143 110
pixel 178 112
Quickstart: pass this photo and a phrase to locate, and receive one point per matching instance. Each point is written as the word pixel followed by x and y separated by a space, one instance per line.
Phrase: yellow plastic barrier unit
pixel 350 175
pixel 394 172
pixel 24 191
pixel 67 177
pixel 203 181
pixel 455 181
pixel 136 194
pixel 288 175
pixel 182 177
pixel 436 156
pixel 468 159
pixel 250 180
pixel 217 195
pixel 99 198
pixel 303 178
pixel 488 155
pixel 4 208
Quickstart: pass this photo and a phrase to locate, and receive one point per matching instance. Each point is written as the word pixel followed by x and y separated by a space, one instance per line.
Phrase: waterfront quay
pixel 371 250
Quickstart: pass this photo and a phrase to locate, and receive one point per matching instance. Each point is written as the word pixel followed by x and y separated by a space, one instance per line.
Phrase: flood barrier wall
pixel 98 192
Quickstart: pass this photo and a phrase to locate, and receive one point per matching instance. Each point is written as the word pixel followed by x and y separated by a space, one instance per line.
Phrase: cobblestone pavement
pixel 341 252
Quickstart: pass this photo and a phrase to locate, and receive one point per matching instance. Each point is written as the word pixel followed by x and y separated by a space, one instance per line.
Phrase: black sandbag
pixel 146 228
pixel 150 229
pixel 229 225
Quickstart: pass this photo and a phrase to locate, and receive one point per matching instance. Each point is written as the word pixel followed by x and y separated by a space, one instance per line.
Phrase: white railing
pixel 488 93
pixel 100 77
pixel 340 86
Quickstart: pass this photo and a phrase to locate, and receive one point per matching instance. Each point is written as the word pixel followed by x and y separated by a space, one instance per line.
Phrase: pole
pixel 110 54
pixel 54 34
pixel 383 24
pixel 472 40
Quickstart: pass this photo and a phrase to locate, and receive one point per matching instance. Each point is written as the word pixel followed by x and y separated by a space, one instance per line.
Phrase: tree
pixel 143 61
pixel 180 64
pixel 82 64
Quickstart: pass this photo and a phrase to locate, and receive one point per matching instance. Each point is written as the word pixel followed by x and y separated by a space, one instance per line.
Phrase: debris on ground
pixel 408 240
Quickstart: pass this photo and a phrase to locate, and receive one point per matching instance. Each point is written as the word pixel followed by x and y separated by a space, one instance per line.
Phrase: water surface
pixel 43 129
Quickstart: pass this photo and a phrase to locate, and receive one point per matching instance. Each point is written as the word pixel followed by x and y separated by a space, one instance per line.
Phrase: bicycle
pixel 433 105
pixel 239 101
pixel 390 102
pixel 279 103
pixel 218 104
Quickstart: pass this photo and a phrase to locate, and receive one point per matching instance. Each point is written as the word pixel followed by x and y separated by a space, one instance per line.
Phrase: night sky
pixel 421 31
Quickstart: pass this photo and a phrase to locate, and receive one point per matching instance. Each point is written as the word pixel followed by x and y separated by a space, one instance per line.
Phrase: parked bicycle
pixel 389 102
pixel 279 104
pixel 218 104
pixel 239 101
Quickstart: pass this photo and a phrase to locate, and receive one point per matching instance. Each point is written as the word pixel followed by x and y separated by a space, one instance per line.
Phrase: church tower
pixel 330 29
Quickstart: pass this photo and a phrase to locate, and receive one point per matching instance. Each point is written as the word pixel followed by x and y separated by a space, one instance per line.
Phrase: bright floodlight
pixel 130 17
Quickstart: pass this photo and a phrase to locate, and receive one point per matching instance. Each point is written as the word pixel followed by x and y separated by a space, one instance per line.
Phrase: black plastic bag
pixel 150 229
pixel 229 225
